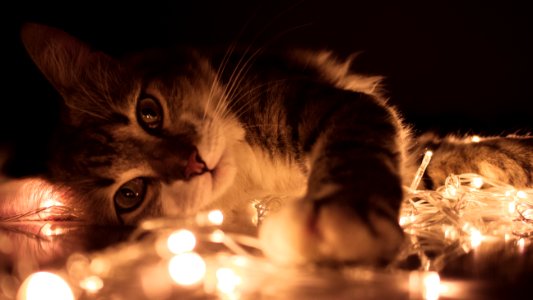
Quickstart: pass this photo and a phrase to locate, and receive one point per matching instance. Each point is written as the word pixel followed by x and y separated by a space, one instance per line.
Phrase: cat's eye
pixel 149 113
pixel 130 195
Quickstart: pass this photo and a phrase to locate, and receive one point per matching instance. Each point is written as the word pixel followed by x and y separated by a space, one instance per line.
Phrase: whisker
pixel 222 66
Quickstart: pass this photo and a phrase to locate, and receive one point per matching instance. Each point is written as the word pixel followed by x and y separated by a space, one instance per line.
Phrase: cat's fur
pixel 299 125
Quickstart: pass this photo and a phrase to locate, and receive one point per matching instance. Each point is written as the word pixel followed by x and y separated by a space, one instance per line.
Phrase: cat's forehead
pixel 169 64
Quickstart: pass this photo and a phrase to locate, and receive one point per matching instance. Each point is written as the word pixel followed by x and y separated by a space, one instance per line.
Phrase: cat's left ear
pixel 62 58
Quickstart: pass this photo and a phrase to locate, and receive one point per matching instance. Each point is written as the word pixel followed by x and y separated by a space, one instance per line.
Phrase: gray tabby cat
pixel 177 131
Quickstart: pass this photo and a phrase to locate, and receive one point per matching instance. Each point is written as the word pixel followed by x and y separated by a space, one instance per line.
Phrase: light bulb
pixel 181 241
pixel 187 269
pixel 45 286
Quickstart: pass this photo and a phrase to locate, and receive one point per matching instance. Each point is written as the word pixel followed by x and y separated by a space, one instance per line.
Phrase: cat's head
pixel 139 136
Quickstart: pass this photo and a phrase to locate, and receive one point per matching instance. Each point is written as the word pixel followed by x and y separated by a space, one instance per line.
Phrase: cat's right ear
pixel 59 56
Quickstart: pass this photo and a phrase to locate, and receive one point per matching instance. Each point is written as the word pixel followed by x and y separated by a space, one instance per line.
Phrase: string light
pixel 431 286
pixel 92 284
pixel 181 241
pixel 45 286
pixel 477 182
pixel 227 282
pixel 209 218
pixel 420 172
pixel 475 139
pixel 187 269
pixel 197 255
pixel 49 229
pixel 215 217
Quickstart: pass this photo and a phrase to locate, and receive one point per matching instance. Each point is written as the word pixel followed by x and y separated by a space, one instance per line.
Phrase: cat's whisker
pixel 227 55
pixel 216 80
pixel 245 94
pixel 240 71
pixel 261 125
pixel 222 67
pixel 243 66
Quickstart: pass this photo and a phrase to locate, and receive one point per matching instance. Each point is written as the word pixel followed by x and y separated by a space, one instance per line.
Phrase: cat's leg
pixel 350 211
pixel 507 159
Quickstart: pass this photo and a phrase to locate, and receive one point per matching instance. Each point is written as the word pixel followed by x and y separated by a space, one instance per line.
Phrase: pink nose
pixel 195 165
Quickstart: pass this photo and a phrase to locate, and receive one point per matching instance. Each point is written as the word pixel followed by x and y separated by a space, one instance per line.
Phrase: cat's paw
pixel 303 232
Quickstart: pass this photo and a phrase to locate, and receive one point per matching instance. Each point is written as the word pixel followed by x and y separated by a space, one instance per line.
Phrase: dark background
pixel 451 66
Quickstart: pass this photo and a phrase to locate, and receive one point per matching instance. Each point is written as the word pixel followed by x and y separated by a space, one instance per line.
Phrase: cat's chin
pixel 189 197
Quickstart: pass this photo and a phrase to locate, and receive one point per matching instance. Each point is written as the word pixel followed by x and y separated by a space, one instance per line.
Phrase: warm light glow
pixel 507 237
pixel 431 286
pixel 475 238
pixel 92 284
pixel 477 182
pixel 45 286
pixel 181 241
pixel 100 266
pixel 450 232
pixel 521 194
pixel 217 236
pixel 421 170
pixel 424 285
pixel 452 185
pixel 50 229
pixel 451 191
pixel 512 207
pixel 48 206
pixel 476 139
pixel 215 217
pixel 187 268
pixel 227 280
pixel 521 244
pixel 405 220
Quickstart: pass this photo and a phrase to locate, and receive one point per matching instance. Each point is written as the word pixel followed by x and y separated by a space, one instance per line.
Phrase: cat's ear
pixel 60 57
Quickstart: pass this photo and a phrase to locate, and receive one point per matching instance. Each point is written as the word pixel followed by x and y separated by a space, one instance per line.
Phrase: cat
pixel 176 131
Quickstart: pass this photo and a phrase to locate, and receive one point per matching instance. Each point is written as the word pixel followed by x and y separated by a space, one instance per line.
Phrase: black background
pixel 451 66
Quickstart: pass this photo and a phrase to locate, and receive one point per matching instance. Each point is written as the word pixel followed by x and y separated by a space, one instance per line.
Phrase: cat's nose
pixel 195 165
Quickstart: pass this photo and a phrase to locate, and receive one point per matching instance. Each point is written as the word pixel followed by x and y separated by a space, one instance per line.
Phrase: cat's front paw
pixel 304 232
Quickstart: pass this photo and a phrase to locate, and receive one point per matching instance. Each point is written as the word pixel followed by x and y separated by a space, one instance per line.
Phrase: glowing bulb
pixel 507 237
pixel 476 238
pixel 187 268
pixel 451 191
pixel 181 241
pixel 475 139
pixel 100 266
pixel 421 169
pixel 512 207
pixel 425 284
pixel 521 244
pixel 49 229
pixel 92 284
pixel 431 282
pixel 450 232
pixel 521 194
pixel 405 220
pixel 477 182
pixel 227 280
pixel 50 203
pixel 215 217
pixel 217 236
pixel 43 286
pixel 452 185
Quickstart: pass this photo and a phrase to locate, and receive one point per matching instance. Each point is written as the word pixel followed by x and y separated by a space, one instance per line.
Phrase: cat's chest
pixel 260 176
